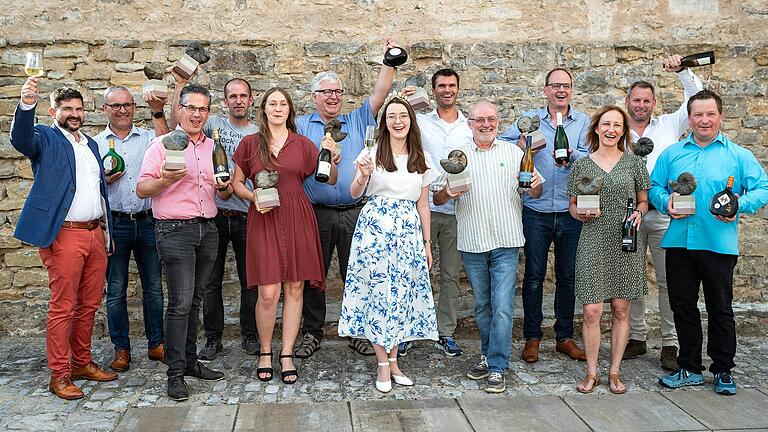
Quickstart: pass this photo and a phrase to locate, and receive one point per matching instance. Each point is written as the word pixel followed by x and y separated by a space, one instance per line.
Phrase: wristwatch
pixel 158 115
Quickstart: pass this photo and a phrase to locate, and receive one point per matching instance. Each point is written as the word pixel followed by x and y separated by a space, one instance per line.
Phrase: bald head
pixel 484 122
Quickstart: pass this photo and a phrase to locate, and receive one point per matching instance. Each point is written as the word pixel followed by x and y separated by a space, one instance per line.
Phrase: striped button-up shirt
pixel 122 193
pixel 489 215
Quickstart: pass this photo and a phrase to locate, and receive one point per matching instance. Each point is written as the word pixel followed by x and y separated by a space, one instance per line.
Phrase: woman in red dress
pixel 282 244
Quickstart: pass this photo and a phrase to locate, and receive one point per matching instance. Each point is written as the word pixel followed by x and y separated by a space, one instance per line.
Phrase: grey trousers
pixel 443 230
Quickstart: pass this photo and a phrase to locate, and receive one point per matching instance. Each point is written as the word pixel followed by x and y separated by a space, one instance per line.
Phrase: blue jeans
pixel 187 253
pixel 137 236
pixel 492 276
pixel 540 230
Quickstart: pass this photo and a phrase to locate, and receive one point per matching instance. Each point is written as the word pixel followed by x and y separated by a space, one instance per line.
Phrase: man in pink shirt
pixel 183 206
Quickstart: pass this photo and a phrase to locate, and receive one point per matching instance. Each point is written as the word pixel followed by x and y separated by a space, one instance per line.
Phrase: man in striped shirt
pixel 490 235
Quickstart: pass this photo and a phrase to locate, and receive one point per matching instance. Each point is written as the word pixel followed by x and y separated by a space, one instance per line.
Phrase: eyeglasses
pixel 392 118
pixel 191 109
pixel 481 120
pixel 117 106
pixel 329 92
pixel 557 86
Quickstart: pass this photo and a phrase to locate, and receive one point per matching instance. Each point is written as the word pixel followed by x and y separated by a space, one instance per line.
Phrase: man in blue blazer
pixel 67 216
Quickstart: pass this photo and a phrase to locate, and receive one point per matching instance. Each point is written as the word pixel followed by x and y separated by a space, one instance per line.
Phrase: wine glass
pixel 34 65
pixel 370 132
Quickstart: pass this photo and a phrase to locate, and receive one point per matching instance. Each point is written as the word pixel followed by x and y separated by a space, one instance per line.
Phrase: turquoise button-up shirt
pixel 711 166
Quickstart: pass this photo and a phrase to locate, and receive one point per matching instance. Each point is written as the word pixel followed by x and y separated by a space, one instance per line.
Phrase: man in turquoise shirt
pixel 702 249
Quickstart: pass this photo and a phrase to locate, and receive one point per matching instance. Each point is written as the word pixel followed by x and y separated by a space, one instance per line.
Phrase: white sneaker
pixel 383 386
pixel 400 379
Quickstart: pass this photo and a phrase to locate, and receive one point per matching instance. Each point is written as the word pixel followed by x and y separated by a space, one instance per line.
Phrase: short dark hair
pixel 641 84
pixel 64 94
pixel 546 79
pixel 447 72
pixel 247 84
pixel 704 95
pixel 196 89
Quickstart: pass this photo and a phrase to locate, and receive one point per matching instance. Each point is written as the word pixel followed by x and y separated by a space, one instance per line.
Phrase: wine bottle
pixel 725 203
pixel 561 142
pixel 700 59
pixel 112 162
pixel 219 156
pixel 323 170
pixel 526 165
pixel 628 229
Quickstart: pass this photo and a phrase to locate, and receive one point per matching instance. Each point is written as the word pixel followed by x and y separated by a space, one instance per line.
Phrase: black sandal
pixel 361 346
pixel 287 373
pixel 267 370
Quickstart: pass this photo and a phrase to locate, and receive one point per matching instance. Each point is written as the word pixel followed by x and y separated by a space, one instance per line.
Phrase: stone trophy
pixel 193 57
pixel 530 126
pixel 458 175
pixel 395 57
pixel 685 203
pixel 588 199
pixel 643 147
pixel 419 100
pixel 266 192
pixel 333 127
pixel 155 83
pixel 175 143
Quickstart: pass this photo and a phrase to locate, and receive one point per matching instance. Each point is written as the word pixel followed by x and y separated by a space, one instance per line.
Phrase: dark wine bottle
pixel 112 162
pixel 725 203
pixel 561 142
pixel 323 170
pixel 628 229
pixel 219 156
pixel 700 59
pixel 526 165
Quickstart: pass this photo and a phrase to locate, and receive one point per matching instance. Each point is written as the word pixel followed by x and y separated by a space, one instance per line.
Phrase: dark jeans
pixel 686 271
pixel 187 253
pixel 336 228
pixel 540 230
pixel 137 236
pixel 231 229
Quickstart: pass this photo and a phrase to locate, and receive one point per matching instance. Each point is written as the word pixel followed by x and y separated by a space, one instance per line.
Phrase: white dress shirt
pixel 86 204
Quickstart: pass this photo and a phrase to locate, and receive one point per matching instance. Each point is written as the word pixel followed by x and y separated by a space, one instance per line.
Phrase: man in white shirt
pixel 664 131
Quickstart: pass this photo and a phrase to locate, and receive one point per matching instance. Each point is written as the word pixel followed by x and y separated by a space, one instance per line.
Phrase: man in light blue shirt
pixel 335 208
pixel 702 249
pixel 546 219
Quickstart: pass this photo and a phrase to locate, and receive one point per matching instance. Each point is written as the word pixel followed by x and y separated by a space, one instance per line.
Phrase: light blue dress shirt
pixel 711 166
pixel 354 124
pixel 554 196
pixel 122 193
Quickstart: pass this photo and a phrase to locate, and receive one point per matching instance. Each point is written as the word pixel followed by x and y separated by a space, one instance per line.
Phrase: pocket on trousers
pixel 163 228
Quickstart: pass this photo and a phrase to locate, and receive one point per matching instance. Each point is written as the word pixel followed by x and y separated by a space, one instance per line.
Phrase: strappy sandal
pixel 582 388
pixel 362 346
pixel 287 373
pixel 266 370
pixel 613 384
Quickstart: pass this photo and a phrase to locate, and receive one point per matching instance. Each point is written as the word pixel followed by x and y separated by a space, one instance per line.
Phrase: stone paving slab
pixel 547 413
pixel 409 415
pixel 298 417
pixel 747 409
pixel 163 419
pixel 631 413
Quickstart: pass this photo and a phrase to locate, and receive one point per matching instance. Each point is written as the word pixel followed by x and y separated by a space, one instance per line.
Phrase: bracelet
pixel 427 241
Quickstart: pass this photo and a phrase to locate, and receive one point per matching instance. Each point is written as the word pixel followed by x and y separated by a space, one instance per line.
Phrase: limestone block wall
pixel 501 49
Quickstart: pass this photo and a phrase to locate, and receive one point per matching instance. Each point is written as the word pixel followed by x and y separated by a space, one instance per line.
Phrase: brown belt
pixel 89 225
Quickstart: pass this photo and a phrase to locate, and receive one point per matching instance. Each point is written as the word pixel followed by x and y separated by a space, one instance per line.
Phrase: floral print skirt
pixel 387 292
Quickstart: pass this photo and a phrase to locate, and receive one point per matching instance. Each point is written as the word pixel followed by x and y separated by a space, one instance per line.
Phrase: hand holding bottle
pixel 328 143
pixel 673 63
pixel 30 90
pixel 223 185
pixel 564 163
pixel 114 177
pixel 726 219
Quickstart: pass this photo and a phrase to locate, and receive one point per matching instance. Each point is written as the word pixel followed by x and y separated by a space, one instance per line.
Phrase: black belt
pixel 232 213
pixel 343 206
pixel 186 221
pixel 132 216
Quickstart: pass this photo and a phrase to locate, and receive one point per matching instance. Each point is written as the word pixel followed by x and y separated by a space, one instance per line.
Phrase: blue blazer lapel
pixel 70 152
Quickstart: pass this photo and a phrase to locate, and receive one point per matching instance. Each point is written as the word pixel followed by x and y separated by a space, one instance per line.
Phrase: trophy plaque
pixel 266 192
pixel 530 126
pixel 193 57
pixel 588 199
pixel 420 99
pixel 175 143
pixel 685 203
pixel 155 83
pixel 458 175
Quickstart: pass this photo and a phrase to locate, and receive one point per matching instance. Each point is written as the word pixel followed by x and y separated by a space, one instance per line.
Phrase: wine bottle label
pixel 723 200
pixel 324 168
pixel 109 163
pixel 561 153
pixel 223 176
pixel 626 241
pixel 525 176
pixel 702 61
pixel 221 169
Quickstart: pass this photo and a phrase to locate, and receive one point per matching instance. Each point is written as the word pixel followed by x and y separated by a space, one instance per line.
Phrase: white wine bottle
pixel 561 142
pixel 323 170
pixel 219 156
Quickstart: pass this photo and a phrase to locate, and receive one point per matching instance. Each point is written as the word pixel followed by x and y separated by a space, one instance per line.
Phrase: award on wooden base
pixel 193 57
pixel 588 199
pixel 458 177
pixel 685 202
pixel 266 192
pixel 155 83
pixel 175 143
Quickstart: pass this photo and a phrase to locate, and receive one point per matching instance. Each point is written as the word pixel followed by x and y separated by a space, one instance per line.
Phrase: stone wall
pixel 502 51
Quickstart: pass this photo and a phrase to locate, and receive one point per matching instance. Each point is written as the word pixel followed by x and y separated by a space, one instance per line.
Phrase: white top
pixel 435 133
pixel 86 204
pixel 666 129
pixel 400 184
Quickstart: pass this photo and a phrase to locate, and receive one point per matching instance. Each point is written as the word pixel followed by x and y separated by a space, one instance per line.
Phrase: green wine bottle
pixel 112 162
pixel 561 142
pixel 219 156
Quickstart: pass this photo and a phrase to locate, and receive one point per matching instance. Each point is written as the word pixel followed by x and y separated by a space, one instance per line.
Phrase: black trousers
pixel 686 271
pixel 336 228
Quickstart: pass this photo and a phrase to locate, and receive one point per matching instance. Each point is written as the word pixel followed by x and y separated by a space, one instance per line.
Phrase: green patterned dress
pixel 603 271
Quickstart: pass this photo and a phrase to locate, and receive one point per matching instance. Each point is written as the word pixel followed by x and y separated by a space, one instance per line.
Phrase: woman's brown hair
pixel 594 140
pixel 265 134
pixel 384 158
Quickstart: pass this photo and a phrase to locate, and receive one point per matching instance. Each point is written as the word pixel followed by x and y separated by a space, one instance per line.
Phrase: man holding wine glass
pixel 67 211
pixel 702 248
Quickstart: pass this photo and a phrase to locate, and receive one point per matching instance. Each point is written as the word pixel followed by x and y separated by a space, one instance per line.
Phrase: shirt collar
pixel 478 149
pixel 70 136
pixel 719 139
pixel 109 133
pixel 315 117
pixel 460 118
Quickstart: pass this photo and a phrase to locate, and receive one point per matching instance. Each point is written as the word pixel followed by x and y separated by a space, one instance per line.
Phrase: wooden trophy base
pixel 684 204
pixel 267 198
pixel 175 160
pixel 587 203
pixel 186 66
pixel 159 88
pixel 419 100
pixel 537 140
pixel 460 182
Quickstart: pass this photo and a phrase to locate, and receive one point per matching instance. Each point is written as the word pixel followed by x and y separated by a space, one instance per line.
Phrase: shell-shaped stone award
pixel 459 179
pixel 155 83
pixel 266 192
pixel 531 126
pixel 643 147
pixel 193 57
pixel 175 143
pixel 685 203
pixel 588 199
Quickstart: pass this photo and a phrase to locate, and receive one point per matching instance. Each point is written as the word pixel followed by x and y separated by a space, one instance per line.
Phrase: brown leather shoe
pixel 122 361
pixel 157 353
pixel 64 388
pixel 92 372
pixel 530 353
pixel 569 348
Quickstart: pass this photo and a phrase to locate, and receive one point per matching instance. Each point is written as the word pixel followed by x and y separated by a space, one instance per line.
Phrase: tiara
pixel 396 96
